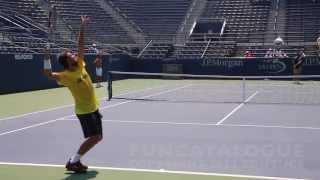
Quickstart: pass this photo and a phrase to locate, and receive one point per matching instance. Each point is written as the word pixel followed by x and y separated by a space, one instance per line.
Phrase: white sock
pixel 75 158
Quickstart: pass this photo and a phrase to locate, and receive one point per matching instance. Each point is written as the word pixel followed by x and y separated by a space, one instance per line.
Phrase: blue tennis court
pixel 238 138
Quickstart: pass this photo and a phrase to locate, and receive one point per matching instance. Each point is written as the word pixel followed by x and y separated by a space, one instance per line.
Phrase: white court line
pixel 32 126
pixel 70 105
pixel 35 112
pixel 269 126
pixel 201 124
pixel 156 171
pixel 237 108
pixel 106 107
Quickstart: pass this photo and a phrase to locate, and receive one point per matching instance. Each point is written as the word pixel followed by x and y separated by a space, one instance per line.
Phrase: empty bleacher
pixel 243 17
pixel 206 49
pixel 155 18
pixel 28 8
pixel 23 26
pixel 6 47
pixel 102 26
pixel 303 23
pixel 158 50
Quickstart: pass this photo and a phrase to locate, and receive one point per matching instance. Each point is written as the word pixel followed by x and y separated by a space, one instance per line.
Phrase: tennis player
pixel 78 81
pixel 297 64
pixel 98 63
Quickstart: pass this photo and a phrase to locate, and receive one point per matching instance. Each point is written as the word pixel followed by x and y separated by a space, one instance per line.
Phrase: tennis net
pixel 214 88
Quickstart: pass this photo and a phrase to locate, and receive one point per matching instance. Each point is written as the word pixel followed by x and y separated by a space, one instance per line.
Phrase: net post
pixel 243 89
pixel 109 87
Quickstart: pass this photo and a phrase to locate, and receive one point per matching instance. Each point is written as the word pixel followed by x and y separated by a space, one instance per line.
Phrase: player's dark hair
pixel 63 60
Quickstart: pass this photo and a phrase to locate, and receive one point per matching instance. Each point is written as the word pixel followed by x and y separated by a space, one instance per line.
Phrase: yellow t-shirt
pixel 80 85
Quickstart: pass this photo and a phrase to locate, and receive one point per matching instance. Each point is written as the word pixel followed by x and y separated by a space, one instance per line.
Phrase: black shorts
pixel 91 123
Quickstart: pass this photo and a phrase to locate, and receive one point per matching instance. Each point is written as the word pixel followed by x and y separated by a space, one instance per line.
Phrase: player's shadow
pixel 81 176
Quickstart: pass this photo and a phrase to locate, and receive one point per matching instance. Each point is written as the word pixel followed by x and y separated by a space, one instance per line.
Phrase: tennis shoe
pixel 82 165
pixel 77 167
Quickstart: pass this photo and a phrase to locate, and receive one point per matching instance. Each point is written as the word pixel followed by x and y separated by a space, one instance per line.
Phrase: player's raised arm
pixel 83 23
pixel 47 66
